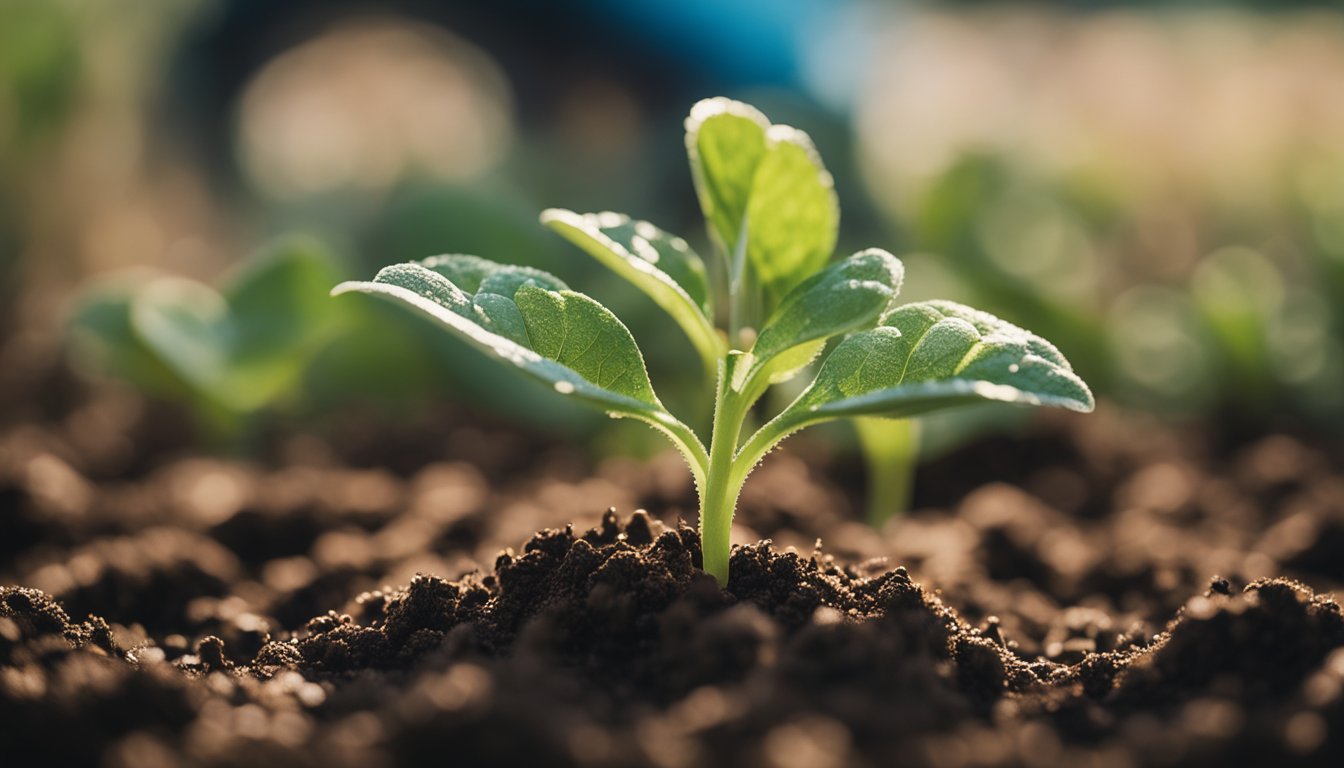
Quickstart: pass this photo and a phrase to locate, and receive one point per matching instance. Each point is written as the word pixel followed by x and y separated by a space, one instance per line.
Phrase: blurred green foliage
pixel 269 341
pixel 1237 331
pixel 228 352
pixel 39 73
pixel 39 80
pixel 1017 244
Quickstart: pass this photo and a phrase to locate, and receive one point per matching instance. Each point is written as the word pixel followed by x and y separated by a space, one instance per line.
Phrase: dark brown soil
pixel 1106 593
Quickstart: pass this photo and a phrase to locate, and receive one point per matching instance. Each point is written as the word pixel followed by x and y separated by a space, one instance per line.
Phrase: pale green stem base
pixel 891 452
pixel 723 484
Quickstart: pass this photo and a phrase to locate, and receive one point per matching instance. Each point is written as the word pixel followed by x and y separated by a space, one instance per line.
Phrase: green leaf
pixel 937 354
pixel 847 296
pixel 563 338
pixel 659 264
pixel 244 348
pixel 102 336
pixel 763 188
pixel 472 273
pixel 792 217
pixel 278 305
pixel 530 320
pixel 186 325
pixel 725 140
pixel 585 337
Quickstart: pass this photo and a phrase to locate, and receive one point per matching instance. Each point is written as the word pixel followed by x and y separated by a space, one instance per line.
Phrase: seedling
pixel 773 216
pixel 890 449
pixel 227 353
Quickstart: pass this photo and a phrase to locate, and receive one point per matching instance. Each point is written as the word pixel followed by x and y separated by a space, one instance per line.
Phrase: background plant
pixel 772 213
pixel 1146 213
pixel 228 352
pixel 266 341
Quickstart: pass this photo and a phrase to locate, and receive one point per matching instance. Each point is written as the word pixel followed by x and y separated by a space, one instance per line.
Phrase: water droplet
pixel 564 387
pixel 1014 368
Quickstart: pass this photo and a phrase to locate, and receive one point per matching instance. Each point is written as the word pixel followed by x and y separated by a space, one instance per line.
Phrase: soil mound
pixel 610 647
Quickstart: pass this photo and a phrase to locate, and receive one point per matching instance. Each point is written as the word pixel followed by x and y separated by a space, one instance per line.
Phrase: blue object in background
pixel 748 43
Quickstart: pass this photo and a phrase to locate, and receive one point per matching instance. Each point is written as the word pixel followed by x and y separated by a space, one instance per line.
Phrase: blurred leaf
pixel 186 325
pixel 279 304
pixel 476 218
pixel 39 72
pixel 102 334
pixel 1238 293
pixel 238 351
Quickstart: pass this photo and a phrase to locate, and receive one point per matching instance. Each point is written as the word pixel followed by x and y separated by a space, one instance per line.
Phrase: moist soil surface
pixel 1103 593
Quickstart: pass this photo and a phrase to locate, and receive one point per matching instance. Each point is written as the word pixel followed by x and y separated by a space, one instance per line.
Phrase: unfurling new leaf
pixel 769 201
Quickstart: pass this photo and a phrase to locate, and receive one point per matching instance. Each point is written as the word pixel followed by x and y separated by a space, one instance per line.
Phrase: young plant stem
pixel 890 450
pixel 741 290
pixel 723 484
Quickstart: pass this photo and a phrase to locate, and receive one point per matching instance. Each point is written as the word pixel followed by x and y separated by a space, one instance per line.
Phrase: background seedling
pixel 890 449
pixel 267 342
pixel 773 217
pixel 227 352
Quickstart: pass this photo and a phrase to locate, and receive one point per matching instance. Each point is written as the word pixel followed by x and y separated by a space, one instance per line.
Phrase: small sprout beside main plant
pixel 773 217
pixel 228 352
